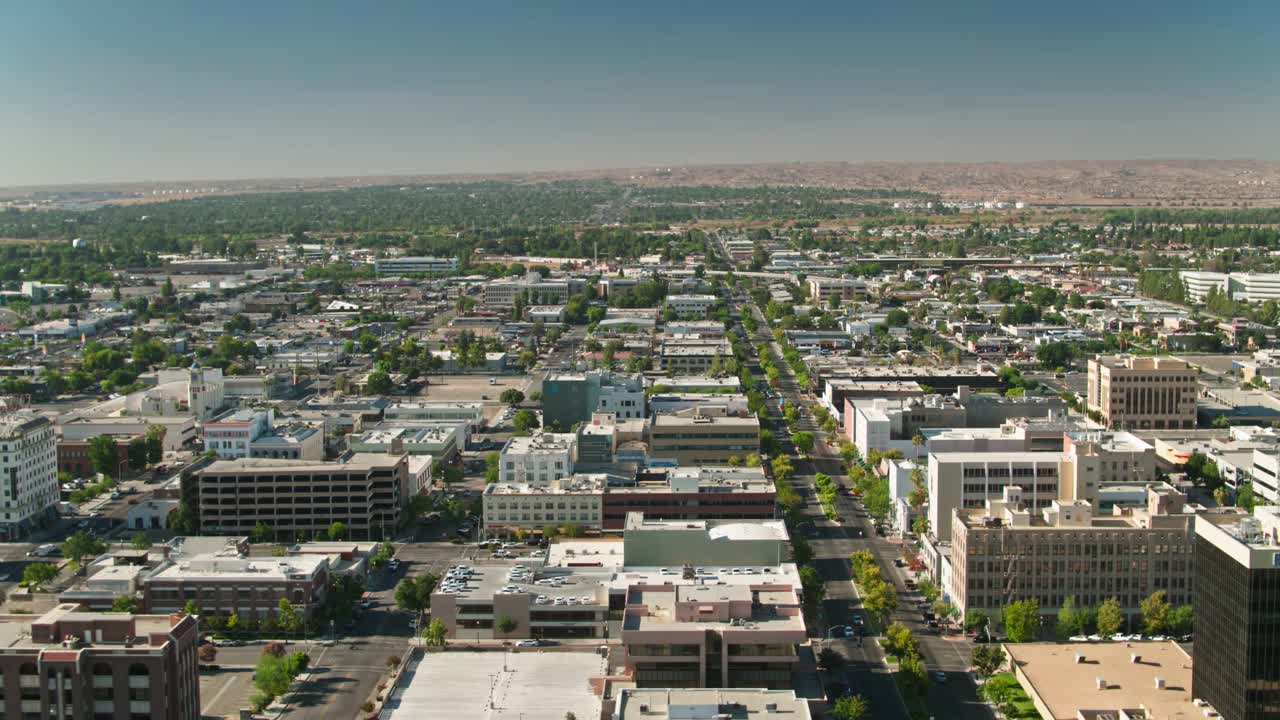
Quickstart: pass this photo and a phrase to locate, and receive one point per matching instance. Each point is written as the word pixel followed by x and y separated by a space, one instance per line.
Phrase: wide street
pixel 833 542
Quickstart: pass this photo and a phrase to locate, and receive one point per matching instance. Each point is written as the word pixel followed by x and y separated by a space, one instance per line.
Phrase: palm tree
pixel 918 441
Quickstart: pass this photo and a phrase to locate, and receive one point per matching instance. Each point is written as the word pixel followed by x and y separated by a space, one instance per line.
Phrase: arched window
pixel 139 692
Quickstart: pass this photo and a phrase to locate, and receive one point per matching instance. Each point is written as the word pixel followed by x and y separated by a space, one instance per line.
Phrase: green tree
pixel 976 620
pixel 102 455
pixel 337 530
pixel 830 660
pixel 524 420
pixel 880 599
pixel 436 635
pixel 155 443
pixel 233 623
pixel 912 677
pixel 414 593
pixel 81 545
pixel 378 383
pixel 191 608
pixel 1181 620
pixel 987 659
pixel 137 450
pixel 1021 620
pixel 850 707
pixel 492 467
pixel 803 441
pixel 287 616
pixel 140 541
pixel 813 586
pixel 125 604
pixel 801 551
pixel 260 532
pixel 1110 617
pixel 899 642
pixel 506 625
pixel 36 575
pixel 1070 619
pixel 1155 613
pixel 511 396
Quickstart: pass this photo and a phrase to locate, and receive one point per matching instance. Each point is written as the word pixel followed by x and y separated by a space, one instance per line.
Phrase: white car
pixel 528 643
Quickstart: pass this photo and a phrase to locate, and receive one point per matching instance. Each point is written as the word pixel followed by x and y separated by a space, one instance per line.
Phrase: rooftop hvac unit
pixel 1199 702
pixel 1159 683
pixel 1135 658
pixel 1101 683
pixel 771 707
pixel 1079 658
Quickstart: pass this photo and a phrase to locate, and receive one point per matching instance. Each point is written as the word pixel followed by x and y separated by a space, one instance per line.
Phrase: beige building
pixel 968 480
pixel 1107 681
pixel 368 493
pixel 692 438
pixel 1006 552
pixel 573 500
pixel 1142 393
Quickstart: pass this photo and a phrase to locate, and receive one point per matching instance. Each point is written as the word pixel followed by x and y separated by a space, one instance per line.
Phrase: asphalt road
pixel 866 671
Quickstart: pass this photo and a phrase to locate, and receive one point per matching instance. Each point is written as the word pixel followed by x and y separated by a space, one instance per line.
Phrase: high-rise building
pixel 1142 393
pixel 28 472
pixel 1237 605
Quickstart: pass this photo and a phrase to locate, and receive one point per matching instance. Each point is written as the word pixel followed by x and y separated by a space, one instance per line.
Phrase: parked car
pixel 393 565
pixel 529 643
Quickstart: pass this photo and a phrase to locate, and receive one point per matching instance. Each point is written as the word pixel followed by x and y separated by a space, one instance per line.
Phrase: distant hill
pixel 1088 182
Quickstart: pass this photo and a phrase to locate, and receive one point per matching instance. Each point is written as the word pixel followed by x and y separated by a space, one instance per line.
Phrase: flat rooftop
pixel 358 461
pixel 499 686
pixel 700 704
pixel 1053 678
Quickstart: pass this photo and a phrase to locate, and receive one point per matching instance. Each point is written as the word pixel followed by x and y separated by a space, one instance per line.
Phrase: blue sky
pixel 94 91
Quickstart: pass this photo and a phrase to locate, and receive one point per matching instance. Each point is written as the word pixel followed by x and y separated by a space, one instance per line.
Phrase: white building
pixel 414 265
pixel 539 459
pixel 1199 284
pixel 205 390
pixel 576 500
pixel 29 469
pixel 691 305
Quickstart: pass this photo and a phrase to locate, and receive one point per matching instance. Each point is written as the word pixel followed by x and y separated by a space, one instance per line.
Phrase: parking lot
pixel 224 692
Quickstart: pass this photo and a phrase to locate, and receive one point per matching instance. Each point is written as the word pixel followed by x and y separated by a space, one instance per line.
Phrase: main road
pixel 833 543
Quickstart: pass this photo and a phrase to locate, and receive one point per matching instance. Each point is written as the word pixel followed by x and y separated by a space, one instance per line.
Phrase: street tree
pixel 435 635
pixel 81 545
pixel 102 455
pixel 987 659
pixel 36 575
pixel 830 660
pixel 506 625
pixel 511 396
pixel 1021 619
pixel 1110 617
pixel 1155 613
pixel 850 707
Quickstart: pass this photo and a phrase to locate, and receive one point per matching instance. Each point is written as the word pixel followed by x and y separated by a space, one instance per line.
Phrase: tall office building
pixel 1237 602
pixel 29 473
pixel 1142 393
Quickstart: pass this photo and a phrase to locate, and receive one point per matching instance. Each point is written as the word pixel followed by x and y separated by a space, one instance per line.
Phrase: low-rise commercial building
pixel 249 587
pixel 693 493
pixel 414 265
pixel 691 306
pixel 571 398
pixel 538 459
pixel 442 442
pixel 1108 681
pixel 685 703
pixel 573 500
pixel 690 437
pixel 73 663
pixel 706 634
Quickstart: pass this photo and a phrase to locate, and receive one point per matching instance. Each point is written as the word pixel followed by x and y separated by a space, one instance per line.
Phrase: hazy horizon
pixel 123 93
